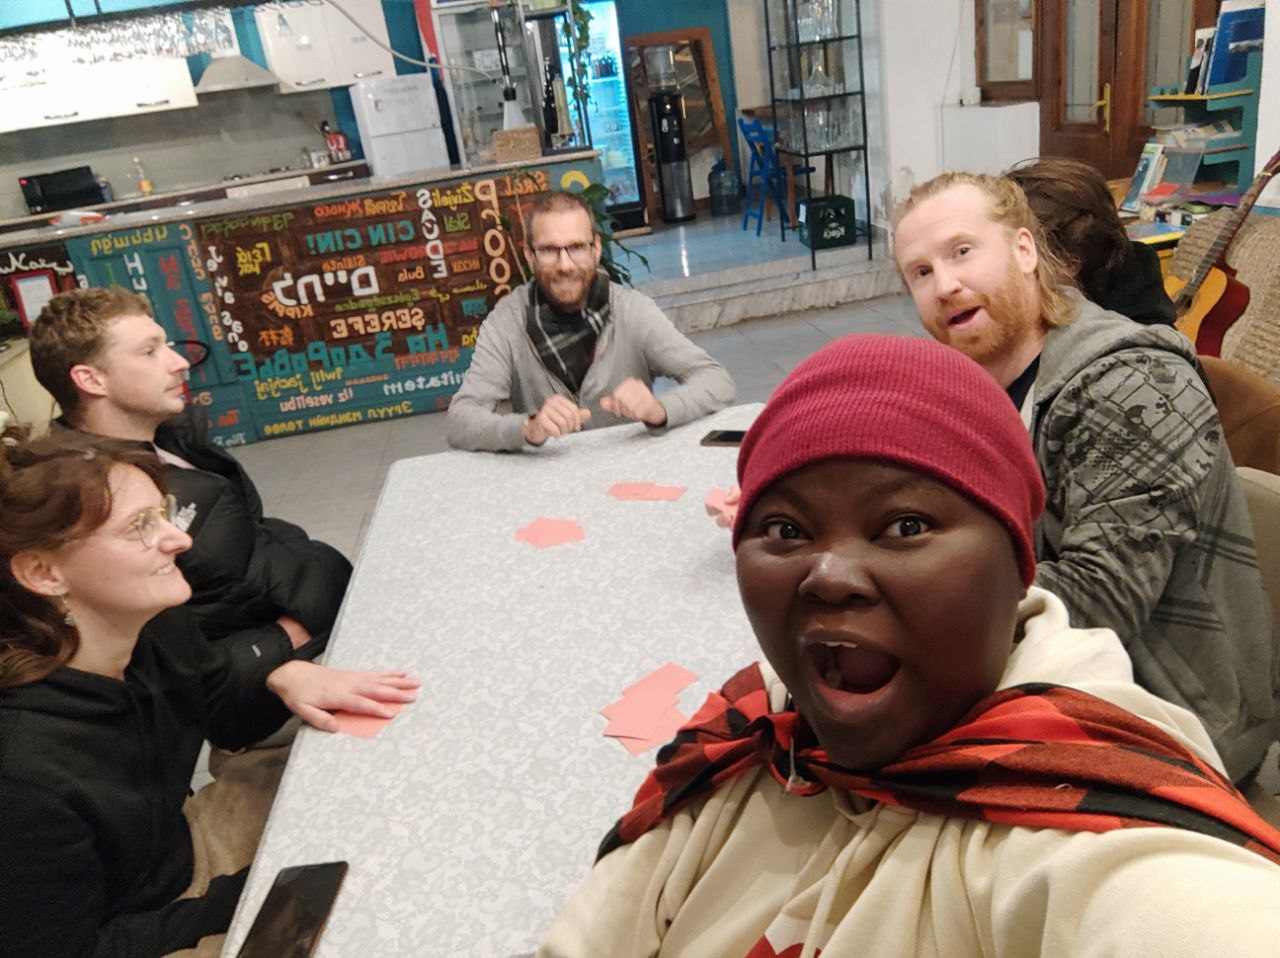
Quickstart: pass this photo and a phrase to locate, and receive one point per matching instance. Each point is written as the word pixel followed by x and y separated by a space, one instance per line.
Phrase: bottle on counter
pixel 144 181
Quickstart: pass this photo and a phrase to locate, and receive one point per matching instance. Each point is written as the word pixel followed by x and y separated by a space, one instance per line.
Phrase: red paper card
pixel 365 726
pixel 646 715
pixel 716 506
pixel 670 679
pixel 635 491
pixel 541 533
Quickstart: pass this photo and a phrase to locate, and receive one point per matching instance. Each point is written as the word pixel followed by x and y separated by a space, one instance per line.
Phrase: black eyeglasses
pixel 579 253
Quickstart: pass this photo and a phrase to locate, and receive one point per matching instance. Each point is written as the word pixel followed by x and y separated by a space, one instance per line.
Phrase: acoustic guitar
pixel 1212 299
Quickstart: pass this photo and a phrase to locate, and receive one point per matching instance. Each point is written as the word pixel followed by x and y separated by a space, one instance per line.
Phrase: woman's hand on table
pixel 313 691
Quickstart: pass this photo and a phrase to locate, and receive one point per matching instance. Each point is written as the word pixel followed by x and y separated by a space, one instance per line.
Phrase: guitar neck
pixel 1228 232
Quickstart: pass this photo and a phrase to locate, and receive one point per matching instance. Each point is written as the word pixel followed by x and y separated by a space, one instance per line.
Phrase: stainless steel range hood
pixel 234 73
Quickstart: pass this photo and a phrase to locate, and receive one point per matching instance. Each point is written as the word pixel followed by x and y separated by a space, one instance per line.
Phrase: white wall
pixel 989 139
pixel 928 67
pixel 750 66
pixel 919 62
pixel 1269 102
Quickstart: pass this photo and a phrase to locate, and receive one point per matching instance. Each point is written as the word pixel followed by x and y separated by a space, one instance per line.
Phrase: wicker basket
pixel 522 143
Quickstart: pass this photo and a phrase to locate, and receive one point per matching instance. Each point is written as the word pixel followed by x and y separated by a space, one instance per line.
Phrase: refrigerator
pixel 608 112
pixel 399 122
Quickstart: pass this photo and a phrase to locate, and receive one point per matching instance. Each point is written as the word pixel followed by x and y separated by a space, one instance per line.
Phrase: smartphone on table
pixel 294 912
pixel 724 437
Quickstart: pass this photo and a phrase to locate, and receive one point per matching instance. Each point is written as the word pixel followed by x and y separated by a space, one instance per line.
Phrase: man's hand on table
pixel 313 691
pixel 634 400
pixel 558 417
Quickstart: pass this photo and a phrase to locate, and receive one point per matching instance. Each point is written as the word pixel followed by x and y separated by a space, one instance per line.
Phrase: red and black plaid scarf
pixel 1038 755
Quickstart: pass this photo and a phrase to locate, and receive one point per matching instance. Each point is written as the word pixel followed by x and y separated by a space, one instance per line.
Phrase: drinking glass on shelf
pixel 854 125
pixel 806 29
pixel 817 122
pixel 836 115
pixel 817 82
pixel 823 18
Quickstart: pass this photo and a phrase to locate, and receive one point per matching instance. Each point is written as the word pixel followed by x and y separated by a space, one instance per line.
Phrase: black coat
pixel 245 569
pixel 1136 288
pixel 93 775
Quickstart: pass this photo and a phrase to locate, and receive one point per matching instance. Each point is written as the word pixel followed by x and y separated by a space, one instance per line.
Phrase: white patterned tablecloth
pixel 471 818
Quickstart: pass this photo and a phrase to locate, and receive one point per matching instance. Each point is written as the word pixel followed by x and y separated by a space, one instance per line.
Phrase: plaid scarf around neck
pixel 566 342
pixel 1037 755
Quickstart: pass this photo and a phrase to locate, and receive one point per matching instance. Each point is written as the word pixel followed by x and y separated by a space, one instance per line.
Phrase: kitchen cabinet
pixel 311 46
pixel 356 56
pixel 76 92
pixel 130 87
pixel 294 38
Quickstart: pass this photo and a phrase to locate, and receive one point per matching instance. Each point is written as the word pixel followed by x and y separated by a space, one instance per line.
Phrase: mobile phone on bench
pixel 724 437
pixel 294 912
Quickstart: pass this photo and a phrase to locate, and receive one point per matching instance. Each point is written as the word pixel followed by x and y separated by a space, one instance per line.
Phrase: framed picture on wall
pixel 31 291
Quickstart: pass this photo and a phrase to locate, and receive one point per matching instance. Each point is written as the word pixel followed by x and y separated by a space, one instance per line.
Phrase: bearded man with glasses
pixel 571 350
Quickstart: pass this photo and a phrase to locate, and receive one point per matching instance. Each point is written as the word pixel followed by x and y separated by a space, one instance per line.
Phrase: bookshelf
pixel 1230 159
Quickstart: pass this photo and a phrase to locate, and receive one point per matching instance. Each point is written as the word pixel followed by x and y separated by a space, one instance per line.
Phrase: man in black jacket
pixel 103 357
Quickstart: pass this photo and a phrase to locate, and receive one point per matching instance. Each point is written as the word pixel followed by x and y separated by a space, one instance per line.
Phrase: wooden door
pixel 1095 56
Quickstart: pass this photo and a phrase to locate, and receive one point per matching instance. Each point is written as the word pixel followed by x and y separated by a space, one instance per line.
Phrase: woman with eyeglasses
pixel 104 707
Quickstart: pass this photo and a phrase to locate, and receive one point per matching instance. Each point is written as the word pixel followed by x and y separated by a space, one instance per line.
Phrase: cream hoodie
pixel 849 877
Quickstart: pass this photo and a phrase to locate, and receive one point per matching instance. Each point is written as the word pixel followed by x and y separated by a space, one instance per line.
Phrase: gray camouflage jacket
pixel 1146 530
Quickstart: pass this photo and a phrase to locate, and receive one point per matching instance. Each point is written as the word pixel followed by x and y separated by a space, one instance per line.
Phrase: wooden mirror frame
pixel 699 40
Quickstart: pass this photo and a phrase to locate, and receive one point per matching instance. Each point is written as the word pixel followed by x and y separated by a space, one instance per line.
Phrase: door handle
pixel 1105 103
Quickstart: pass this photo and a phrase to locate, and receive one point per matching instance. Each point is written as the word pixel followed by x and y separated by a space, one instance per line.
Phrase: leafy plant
pixel 577 30
pixel 597 197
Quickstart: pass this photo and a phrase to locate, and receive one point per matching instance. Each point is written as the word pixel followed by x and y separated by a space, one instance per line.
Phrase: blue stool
pixel 768 174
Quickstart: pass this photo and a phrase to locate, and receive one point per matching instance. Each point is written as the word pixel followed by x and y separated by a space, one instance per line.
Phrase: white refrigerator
pixel 399 121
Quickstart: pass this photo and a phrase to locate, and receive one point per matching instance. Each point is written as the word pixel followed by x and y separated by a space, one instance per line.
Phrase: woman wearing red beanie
pixel 931 761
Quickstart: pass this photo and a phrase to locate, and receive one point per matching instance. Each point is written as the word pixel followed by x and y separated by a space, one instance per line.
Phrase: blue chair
pixel 766 172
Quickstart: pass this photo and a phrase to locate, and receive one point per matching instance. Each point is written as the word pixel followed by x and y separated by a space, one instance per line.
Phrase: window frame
pixel 1007 91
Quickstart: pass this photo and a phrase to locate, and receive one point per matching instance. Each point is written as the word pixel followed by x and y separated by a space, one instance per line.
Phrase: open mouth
pixel 165 569
pixel 962 317
pixel 846 667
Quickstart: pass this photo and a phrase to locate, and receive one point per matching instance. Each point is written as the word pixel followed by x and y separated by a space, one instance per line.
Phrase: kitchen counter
pixel 320 175
pixel 290 197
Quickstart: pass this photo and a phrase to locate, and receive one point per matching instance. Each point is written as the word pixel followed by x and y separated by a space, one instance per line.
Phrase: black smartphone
pixel 724 437
pixel 294 912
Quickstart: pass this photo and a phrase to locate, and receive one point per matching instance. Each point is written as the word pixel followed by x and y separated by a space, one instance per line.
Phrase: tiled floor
pixel 328 482
pixel 713 243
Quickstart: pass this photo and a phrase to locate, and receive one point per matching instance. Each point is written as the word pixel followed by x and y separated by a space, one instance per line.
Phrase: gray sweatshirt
pixel 507 381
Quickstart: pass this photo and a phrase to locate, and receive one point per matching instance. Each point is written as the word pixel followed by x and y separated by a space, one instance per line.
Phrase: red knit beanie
pixel 909 401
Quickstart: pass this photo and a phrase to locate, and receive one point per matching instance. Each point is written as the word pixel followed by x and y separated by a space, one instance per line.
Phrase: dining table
pixel 528 591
